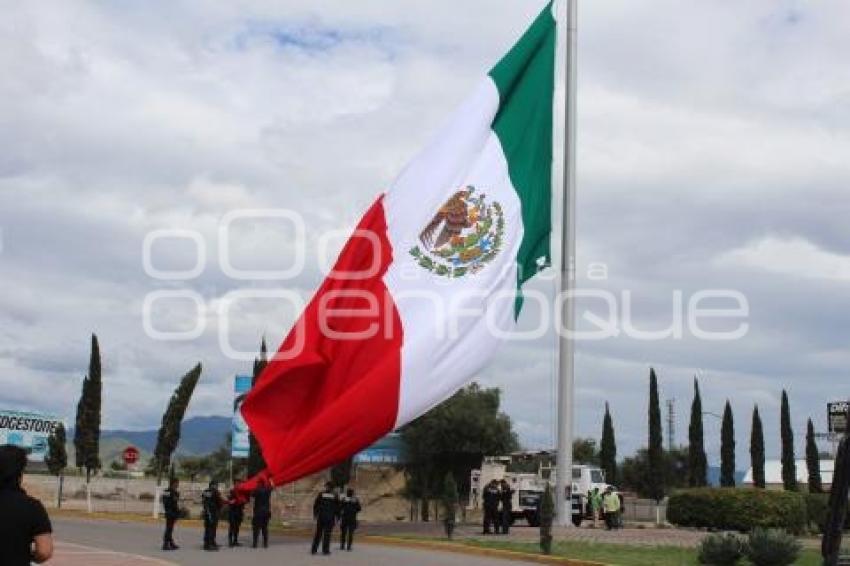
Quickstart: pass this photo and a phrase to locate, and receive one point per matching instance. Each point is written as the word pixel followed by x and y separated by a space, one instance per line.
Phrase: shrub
pixel 772 548
pixel 817 509
pixel 737 509
pixel 720 550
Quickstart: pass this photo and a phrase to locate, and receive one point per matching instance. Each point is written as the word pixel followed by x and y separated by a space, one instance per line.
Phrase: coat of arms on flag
pixel 464 235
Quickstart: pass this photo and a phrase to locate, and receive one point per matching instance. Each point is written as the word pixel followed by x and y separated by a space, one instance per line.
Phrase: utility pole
pixel 671 424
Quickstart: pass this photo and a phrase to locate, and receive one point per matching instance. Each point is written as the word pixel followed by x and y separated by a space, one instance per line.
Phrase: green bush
pixel 737 509
pixel 817 510
pixel 720 550
pixel 772 548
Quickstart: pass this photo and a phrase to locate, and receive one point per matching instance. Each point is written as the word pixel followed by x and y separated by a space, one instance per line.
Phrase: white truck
pixel 528 473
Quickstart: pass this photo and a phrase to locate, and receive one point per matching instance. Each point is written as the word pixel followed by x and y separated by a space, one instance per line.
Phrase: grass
pixel 617 554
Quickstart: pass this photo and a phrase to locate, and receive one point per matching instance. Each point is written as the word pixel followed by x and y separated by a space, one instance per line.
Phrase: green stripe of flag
pixel 525 78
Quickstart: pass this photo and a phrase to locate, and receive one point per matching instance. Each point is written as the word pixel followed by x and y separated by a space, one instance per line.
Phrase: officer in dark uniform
pixel 212 503
pixel 506 497
pixel 171 507
pixel 262 512
pixel 349 507
pixel 235 515
pixel 325 509
pixel 490 498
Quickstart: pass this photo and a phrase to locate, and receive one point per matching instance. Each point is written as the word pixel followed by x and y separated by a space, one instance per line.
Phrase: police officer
pixel 212 502
pixel 170 499
pixel 490 498
pixel 348 509
pixel 325 509
pixel 262 512
pixel 235 515
pixel 506 497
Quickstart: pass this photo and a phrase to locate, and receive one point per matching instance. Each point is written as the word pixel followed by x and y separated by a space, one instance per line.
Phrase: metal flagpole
pixel 567 19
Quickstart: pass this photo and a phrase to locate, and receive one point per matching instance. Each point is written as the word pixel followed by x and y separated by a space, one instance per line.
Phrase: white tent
pixel 773 473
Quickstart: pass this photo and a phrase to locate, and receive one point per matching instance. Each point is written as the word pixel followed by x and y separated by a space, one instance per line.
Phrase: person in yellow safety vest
pixel 611 506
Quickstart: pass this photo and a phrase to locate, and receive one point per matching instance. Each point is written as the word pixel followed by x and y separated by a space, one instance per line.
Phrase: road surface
pixel 82 542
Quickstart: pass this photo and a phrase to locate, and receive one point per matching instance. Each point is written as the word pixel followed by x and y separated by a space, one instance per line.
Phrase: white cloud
pixel 794 257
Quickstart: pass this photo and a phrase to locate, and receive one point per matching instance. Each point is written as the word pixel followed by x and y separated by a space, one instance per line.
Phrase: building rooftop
pixel 773 472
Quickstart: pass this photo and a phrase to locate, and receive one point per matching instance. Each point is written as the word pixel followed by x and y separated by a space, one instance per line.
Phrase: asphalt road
pixel 112 543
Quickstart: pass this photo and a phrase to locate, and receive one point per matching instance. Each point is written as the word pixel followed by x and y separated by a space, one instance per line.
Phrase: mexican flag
pixel 428 285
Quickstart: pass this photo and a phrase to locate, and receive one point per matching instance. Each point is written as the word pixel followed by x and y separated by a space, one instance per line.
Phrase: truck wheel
pixel 577 520
pixel 533 522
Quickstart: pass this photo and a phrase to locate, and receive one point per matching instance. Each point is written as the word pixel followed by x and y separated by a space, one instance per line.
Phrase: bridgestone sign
pixel 28 430
pixel 837 416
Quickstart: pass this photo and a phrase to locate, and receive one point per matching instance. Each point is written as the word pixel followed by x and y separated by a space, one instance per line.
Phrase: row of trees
pixel 652 471
pixel 88 419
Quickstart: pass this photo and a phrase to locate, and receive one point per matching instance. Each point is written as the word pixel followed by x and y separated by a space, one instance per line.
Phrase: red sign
pixel 130 455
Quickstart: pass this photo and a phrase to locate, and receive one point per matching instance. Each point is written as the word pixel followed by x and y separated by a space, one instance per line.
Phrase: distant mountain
pixel 199 435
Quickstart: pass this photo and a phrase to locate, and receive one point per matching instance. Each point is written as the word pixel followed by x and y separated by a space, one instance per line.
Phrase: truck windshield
pixel 596 476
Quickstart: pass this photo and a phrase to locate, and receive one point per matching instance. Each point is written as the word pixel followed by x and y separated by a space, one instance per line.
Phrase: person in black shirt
pixel 490 499
pixel 25 530
pixel 262 512
pixel 212 503
pixel 325 509
pixel 235 515
pixel 506 497
pixel 349 507
pixel 171 506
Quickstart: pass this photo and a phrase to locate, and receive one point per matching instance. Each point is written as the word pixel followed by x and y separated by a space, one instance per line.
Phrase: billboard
pixel 837 416
pixel 28 430
pixel 240 439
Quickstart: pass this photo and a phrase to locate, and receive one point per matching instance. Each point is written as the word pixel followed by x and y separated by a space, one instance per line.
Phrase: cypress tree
pixel 757 449
pixel 655 470
pixel 837 515
pixel 547 517
pixel 87 423
pixel 57 457
pixel 813 460
pixel 789 466
pixel 449 501
pixel 697 461
pixel 608 448
pixel 727 448
pixel 80 430
pixel 169 431
pixel 256 463
pixel 94 409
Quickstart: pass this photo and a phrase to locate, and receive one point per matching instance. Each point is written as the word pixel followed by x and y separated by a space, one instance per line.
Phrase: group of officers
pixel 328 509
pixel 497 500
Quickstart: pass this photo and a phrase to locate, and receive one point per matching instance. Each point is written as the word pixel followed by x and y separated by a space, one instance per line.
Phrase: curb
pixel 459 548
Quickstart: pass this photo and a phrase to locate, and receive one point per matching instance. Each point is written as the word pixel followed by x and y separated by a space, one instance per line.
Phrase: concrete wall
pixel 378 489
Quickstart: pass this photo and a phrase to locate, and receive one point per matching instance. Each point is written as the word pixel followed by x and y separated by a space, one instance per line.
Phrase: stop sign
pixel 130 455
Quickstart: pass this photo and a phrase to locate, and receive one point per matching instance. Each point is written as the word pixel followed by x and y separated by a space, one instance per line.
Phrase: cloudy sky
pixel 713 144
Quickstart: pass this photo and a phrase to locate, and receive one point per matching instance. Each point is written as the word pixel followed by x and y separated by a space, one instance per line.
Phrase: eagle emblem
pixel 465 234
